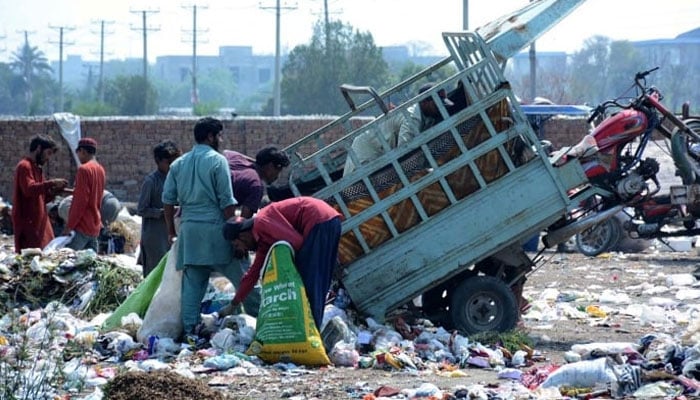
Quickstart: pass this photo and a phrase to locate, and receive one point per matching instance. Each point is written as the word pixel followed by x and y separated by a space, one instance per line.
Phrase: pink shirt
pixel 290 220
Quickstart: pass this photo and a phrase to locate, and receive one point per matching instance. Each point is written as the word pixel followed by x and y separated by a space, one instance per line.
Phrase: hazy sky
pixel 252 22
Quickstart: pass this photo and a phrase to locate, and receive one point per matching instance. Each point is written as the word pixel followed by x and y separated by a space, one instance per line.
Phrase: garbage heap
pixel 76 356
pixel 87 284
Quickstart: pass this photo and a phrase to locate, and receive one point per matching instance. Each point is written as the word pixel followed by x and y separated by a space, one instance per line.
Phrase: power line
pixel 61 43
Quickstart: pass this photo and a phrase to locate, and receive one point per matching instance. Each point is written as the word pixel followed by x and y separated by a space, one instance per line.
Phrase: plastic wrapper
pixel 344 354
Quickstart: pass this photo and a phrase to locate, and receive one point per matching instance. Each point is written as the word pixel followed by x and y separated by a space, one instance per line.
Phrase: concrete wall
pixel 125 144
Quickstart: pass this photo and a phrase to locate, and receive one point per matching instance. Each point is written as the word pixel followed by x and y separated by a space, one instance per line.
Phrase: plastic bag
pixel 58 243
pixel 582 374
pixel 285 329
pixel 139 300
pixel 163 316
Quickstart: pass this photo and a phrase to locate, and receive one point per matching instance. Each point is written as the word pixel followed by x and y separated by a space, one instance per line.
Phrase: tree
pixel 31 65
pixel 313 72
pixel 131 95
pixel 603 69
pixel 216 87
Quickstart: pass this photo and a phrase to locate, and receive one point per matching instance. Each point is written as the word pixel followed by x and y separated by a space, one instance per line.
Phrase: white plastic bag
pixel 163 316
pixel 582 374
pixel 59 242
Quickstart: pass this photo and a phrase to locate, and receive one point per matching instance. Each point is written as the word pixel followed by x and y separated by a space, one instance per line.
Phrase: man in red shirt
pixel 30 220
pixel 310 225
pixel 84 217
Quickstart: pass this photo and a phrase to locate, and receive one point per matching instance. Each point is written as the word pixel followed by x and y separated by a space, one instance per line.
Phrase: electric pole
pixel 61 43
pixel 276 92
pixel 533 71
pixel 195 95
pixel 465 15
pixel 145 29
pixel 100 82
pixel 327 26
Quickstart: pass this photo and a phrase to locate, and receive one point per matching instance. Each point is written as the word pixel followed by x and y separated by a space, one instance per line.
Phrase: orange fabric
pixel 84 215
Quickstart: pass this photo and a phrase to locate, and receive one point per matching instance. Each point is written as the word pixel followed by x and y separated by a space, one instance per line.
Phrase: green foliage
pixel 92 108
pixel 206 108
pixel 313 72
pixel 512 340
pixel 602 69
pixel 33 88
pixel 214 86
pixel 131 95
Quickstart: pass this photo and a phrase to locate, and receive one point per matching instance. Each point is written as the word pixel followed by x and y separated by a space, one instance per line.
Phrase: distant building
pixel 682 50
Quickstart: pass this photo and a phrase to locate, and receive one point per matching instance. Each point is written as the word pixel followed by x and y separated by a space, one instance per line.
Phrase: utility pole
pixel 61 43
pixel 465 15
pixel 276 91
pixel 327 26
pixel 100 82
pixel 195 95
pixel 145 29
pixel 533 70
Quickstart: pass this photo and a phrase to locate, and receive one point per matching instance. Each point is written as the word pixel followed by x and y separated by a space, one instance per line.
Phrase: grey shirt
pixel 154 235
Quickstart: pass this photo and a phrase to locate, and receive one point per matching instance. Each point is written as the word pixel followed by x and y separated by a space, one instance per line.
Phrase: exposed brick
pixel 126 143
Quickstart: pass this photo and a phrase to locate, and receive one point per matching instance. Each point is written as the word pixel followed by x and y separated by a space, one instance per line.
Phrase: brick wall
pixel 125 144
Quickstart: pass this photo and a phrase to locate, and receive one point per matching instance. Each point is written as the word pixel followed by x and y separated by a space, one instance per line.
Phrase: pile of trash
pixel 5 217
pixel 87 284
pixel 82 360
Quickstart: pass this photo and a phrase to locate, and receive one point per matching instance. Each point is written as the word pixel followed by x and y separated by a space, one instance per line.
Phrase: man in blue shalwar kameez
pixel 200 183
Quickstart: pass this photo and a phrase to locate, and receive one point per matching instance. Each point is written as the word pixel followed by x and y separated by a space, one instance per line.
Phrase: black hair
pixel 43 142
pixel 271 154
pixel 166 150
pixel 206 126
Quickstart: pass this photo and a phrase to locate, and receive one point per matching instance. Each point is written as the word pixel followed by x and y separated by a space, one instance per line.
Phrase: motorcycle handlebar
pixel 637 78
pixel 595 113
pixel 642 75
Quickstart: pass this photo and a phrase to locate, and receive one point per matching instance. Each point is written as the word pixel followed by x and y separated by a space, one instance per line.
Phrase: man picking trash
pixel 310 225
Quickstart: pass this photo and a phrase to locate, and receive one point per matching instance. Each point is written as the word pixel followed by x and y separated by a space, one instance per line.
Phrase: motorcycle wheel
pixel 600 238
pixel 483 304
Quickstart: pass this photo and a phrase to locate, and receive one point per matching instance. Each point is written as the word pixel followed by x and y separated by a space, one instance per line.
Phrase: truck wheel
pixel 600 238
pixel 482 304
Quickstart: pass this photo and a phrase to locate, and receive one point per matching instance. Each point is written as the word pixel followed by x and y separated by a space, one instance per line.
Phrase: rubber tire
pixel 600 238
pixel 483 304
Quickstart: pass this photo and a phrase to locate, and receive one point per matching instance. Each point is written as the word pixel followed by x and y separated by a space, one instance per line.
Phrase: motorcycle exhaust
pixel 560 235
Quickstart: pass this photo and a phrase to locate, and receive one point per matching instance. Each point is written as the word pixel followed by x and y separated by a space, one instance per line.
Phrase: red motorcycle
pixel 612 156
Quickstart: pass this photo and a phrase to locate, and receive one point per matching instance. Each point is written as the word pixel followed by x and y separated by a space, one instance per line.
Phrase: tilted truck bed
pixel 473 185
